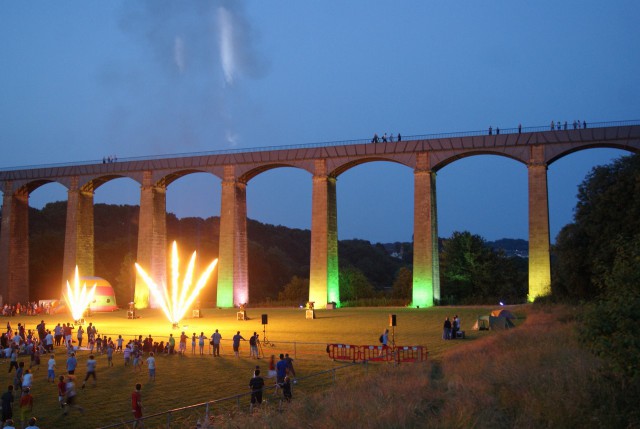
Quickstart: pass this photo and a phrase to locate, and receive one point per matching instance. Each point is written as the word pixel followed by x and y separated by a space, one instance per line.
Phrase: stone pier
pixel 79 234
pixel 324 277
pixel 14 245
pixel 233 273
pixel 426 268
pixel 539 243
pixel 152 239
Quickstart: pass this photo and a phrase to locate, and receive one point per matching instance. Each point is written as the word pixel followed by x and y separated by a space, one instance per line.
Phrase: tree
pixel 471 272
pixel 125 281
pixel 607 213
pixel 403 284
pixel 354 285
pixel 296 290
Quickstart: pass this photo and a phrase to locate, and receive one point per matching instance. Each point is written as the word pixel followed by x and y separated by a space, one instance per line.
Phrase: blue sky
pixel 85 79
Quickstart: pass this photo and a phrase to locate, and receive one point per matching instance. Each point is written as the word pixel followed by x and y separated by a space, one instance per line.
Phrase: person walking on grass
pixel 27 380
pixel 62 392
pixel 17 379
pixel 71 396
pixel 72 363
pixel 14 359
pixel 127 355
pixel 91 371
pixel 286 389
pixel 7 402
pixel 281 370
pixel 256 384
pixel 26 406
pixel 136 406
pixel 51 367
pixel 290 369
pixel 151 365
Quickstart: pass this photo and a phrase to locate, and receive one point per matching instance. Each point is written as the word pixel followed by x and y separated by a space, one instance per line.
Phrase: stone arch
pixel 437 165
pixel 170 177
pixel 342 168
pixel 598 145
pixel 255 171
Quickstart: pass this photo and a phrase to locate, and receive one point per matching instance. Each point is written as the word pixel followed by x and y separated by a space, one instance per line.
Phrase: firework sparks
pixel 176 302
pixel 78 299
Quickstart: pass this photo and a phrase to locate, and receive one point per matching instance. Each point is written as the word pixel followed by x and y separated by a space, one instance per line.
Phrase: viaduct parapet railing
pixel 535 149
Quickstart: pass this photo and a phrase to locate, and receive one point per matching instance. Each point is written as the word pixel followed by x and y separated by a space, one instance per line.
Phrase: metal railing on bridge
pixel 513 130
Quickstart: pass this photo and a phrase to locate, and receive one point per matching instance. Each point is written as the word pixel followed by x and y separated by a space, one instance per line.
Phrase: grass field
pixel 183 381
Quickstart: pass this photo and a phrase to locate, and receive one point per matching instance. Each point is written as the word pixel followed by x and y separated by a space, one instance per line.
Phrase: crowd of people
pixel 385 139
pixel 30 309
pixel 555 126
pixel 136 353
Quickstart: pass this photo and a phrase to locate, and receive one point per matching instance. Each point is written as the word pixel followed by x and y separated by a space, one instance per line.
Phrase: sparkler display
pixel 78 299
pixel 176 301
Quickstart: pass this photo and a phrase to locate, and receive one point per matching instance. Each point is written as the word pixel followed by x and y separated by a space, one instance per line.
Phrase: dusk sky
pixel 86 79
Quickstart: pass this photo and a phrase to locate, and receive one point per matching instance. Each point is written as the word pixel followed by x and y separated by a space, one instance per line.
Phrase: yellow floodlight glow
pixel 176 302
pixel 78 299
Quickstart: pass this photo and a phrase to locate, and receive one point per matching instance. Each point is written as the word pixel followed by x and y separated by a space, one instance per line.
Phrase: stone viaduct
pixel 535 150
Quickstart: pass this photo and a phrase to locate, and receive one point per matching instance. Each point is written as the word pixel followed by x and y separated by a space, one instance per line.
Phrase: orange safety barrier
pixel 410 353
pixel 376 353
pixel 343 352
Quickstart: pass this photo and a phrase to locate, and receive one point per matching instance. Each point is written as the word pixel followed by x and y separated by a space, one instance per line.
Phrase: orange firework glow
pixel 176 302
pixel 78 299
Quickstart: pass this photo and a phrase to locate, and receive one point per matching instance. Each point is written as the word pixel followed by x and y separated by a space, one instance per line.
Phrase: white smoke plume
pixel 227 54
pixel 178 53
pixel 203 50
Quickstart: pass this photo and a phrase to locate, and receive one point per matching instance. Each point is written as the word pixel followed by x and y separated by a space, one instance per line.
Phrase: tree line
pixel 597 265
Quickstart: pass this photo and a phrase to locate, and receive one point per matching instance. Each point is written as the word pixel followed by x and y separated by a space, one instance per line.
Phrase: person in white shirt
pixel 151 364
pixel 51 366
pixel 27 380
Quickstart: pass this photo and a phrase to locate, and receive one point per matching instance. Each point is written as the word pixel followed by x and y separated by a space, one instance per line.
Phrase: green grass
pixel 183 381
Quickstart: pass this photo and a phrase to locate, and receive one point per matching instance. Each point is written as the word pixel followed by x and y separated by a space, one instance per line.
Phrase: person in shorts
pixel 151 365
pixel 62 392
pixel 91 371
pixel 236 343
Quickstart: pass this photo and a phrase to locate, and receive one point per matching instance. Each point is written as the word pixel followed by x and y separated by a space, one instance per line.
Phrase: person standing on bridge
pixel 399 137
pixel 519 128
pixel 490 130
